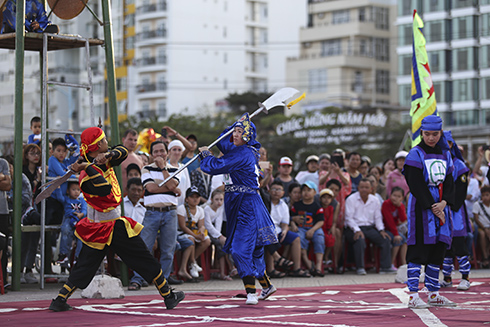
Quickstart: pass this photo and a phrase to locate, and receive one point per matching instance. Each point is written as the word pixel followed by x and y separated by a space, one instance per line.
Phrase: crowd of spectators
pixel 328 216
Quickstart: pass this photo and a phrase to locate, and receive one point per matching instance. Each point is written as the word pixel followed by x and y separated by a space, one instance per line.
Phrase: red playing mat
pixel 348 305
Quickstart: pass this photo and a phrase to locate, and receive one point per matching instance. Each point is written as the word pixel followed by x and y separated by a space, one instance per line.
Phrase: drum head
pixel 67 9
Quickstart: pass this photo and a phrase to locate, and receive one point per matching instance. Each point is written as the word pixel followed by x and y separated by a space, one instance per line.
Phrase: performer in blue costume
pixel 249 225
pixel 36 19
pixel 461 222
pixel 428 170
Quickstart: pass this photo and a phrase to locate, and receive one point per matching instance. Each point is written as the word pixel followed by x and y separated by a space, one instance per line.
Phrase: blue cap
pixel 431 123
pixel 311 185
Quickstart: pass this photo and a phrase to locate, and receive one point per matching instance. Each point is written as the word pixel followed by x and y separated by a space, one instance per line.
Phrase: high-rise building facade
pixel 458 48
pixel 347 55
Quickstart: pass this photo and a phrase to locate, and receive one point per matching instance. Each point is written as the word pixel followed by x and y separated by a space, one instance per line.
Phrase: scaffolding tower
pixel 22 41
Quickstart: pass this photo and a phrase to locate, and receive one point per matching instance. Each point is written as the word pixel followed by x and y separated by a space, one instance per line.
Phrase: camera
pixel 164 133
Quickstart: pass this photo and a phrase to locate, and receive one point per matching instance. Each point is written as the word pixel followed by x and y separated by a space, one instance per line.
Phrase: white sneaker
pixel 252 299
pixel 443 283
pixel 22 279
pixel 193 271
pixel 437 300
pixel 196 266
pixel 415 302
pixel 361 271
pixel 266 292
pixel 464 285
pixel 30 278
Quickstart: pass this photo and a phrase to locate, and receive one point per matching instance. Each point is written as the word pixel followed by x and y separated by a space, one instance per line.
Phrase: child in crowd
pixel 307 220
pixel 213 221
pixel 294 191
pixel 57 166
pixel 332 233
pixel 133 171
pixel 75 210
pixel 395 221
pixel 35 137
pixel 191 226
pixel 280 217
pixel 481 213
pixel 285 168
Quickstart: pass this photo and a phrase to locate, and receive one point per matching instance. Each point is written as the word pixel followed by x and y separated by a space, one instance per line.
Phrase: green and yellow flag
pixel 423 96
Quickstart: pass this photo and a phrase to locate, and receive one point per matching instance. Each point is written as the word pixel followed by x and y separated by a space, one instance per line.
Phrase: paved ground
pixel 32 292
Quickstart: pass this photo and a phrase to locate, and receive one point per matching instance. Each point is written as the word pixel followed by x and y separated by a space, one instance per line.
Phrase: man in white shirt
pixel 132 206
pixel 363 219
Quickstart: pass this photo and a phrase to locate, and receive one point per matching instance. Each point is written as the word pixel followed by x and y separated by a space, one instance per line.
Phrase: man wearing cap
pixel 311 174
pixel 104 227
pixel 363 220
pixel 284 177
pixel 175 150
pixel 161 209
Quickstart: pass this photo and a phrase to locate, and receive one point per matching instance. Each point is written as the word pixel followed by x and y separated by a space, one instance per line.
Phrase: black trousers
pixel 132 251
pixel 4 228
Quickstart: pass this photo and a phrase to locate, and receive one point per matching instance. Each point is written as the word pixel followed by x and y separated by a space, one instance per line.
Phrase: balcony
pixel 149 64
pixel 152 11
pixel 152 37
pixel 151 90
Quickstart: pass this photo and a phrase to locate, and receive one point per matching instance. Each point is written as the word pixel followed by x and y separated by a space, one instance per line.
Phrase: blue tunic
pixel 249 225
pixel 435 167
pixel 461 222
pixel 34 12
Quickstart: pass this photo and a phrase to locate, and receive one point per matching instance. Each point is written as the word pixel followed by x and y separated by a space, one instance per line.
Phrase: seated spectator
pixel 133 171
pixel 75 209
pixel 285 168
pixel 280 217
pixel 145 157
pixel 396 178
pixel 190 153
pixel 213 221
pixel 363 219
pixel 333 240
pixel 129 140
pixel 353 164
pixel 132 205
pixel 191 226
pixel 311 174
pixel 58 165
pixel 481 214
pixel 202 181
pixel 337 173
pixel 35 137
pixel 307 215
pixel 324 170
pixel 381 189
pixel 395 221
pixel 36 19
pixel 294 194
pixel 187 248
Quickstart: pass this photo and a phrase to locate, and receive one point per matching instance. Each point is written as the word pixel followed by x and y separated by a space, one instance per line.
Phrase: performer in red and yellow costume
pixel 104 227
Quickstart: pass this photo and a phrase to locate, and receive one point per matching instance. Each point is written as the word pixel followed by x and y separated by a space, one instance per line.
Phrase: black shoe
pixel 173 281
pixel 59 304
pixel 173 299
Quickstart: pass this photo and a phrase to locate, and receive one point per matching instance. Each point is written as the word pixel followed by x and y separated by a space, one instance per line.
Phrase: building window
pixel 437 61
pixel 358 85
pixel 405 64
pixel 382 81
pixel 405 95
pixel 485 56
pixel 405 34
pixel 162 109
pixel 340 16
pixel 486 88
pixel 405 7
pixel 465 117
pixel 382 49
pixel 463 3
pixel 317 80
pixel 331 47
pixel 381 18
pixel 465 90
pixel 434 31
pixel 463 59
pixel 362 14
pixel 484 21
pixel 434 5
pixel 440 91
pixel 121 84
pixel 463 27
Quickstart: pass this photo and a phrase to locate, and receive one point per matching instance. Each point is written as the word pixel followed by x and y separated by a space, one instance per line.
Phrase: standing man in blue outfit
pixel 249 225
pixel 461 222
pixel 36 19
pixel 429 173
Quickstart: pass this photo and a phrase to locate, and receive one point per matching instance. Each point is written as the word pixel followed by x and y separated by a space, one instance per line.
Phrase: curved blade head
pixel 67 9
pixel 280 98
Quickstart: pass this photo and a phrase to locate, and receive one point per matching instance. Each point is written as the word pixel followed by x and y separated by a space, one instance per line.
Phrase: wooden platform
pixel 34 41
